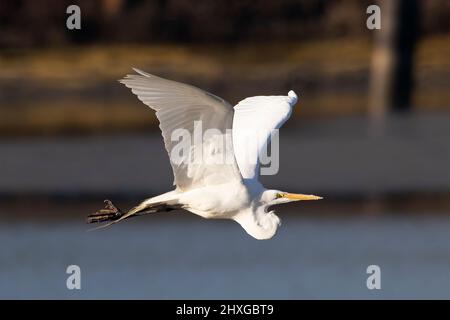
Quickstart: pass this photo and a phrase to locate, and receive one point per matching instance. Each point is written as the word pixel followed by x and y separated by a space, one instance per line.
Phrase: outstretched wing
pixel 185 114
pixel 255 121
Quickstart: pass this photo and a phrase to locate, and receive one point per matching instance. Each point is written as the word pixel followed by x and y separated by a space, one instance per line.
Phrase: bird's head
pixel 261 223
pixel 272 197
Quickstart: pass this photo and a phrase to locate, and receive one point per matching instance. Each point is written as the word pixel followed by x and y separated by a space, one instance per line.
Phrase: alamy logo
pixel 214 147
pixel 74 20
pixel 374 20
pixel 74 280
pixel 374 280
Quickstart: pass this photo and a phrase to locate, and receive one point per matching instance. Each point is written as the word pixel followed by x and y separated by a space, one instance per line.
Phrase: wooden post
pixel 392 58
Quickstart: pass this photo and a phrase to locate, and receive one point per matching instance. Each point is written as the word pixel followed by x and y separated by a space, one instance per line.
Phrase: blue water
pixel 185 257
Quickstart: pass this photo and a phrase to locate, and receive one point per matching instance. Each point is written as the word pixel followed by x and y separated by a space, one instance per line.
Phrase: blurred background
pixel 370 134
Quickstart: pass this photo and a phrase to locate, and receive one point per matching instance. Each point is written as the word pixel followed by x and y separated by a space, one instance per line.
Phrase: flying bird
pixel 224 184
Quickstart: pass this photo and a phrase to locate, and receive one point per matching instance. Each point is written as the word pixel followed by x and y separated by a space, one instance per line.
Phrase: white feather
pixel 178 106
pixel 254 120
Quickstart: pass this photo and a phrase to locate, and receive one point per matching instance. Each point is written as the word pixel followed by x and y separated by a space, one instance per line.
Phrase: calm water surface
pixel 180 256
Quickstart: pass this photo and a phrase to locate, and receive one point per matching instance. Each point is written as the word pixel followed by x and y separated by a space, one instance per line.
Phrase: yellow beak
pixel 299 196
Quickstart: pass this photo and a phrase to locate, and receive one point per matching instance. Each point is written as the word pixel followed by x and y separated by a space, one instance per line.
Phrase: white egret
pixel 212 189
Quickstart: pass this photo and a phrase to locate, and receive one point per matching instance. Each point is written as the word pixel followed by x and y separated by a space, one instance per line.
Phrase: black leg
pixel 109 213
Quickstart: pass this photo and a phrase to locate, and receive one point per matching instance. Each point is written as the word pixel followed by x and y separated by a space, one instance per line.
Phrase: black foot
pixel 109 213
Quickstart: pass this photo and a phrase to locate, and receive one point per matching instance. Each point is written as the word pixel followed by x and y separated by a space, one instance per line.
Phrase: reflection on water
pixel 180 256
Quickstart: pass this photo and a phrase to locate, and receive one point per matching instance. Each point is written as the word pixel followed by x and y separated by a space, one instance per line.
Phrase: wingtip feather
pixel 143 73
pixel 293 96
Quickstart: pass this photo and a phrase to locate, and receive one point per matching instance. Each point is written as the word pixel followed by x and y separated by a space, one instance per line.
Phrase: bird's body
pixel 216 177
pixel 220 201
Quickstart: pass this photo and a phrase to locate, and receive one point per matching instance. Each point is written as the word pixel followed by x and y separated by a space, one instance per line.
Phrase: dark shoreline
pixel 37 207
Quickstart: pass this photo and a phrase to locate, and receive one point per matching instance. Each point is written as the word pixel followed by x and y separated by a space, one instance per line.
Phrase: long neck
pixel 258 223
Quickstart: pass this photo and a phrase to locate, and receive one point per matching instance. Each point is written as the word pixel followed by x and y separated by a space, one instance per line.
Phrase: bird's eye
pixel 278 195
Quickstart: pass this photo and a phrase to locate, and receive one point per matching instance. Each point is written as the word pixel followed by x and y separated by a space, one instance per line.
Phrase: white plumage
pixel 254 120
pixel 224 183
